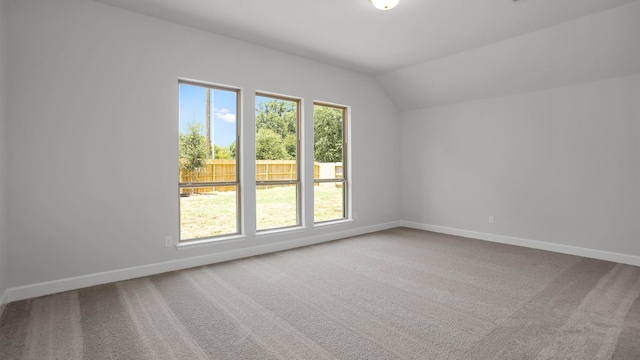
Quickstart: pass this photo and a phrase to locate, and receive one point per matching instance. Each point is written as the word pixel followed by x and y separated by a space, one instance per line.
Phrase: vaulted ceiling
pixel 353 34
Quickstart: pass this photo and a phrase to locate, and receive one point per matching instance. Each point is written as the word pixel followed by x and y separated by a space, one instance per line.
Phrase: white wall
pixel 93 136
pixel 558 165
pixel 3 152
pixel 92 109
pixel 595 47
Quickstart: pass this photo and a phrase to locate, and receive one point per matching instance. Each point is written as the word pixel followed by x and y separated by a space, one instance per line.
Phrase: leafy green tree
pixel 232 149
pixel 276 122
pixel 277 115
pixel 269 146
pixel 193 148
pixel 327 134
pixel 290 146
pixel 221 152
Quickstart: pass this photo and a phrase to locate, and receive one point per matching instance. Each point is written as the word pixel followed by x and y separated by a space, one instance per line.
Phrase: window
pixel 277 162
pixel 209 189
pixel 330 162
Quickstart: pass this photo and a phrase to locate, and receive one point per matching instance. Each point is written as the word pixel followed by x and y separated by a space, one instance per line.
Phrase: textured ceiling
pixel 354 35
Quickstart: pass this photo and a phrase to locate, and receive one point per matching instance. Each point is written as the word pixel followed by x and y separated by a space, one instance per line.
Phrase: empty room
pixel 333 179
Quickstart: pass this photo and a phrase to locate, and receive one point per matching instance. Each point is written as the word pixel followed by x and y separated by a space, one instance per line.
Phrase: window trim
pixel 345 164
pixel 297 181
pixel 236 183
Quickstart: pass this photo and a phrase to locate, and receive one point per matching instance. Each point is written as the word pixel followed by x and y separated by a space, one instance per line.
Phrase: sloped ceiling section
pixel 354 35
pixel 431 52
pixel 599 46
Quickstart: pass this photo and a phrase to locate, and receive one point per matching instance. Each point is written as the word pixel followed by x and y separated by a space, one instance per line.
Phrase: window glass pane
pixel 276 129
pixel 208 211
pixel 328 201
pixel 327 142
pixel 207 157
pixel 273 170
pixel 277 202
pixel 276 206
pixel 208 128
pixel 329 156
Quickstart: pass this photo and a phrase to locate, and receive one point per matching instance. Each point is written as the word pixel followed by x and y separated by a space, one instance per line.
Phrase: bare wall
pixel 3 151
pixel 92 131
pixel 559 165
pixel 553 156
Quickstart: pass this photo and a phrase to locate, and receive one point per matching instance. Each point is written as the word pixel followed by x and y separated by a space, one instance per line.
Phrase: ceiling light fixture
pixel 384 4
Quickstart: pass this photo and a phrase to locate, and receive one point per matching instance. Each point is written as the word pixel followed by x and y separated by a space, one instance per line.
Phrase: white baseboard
pixel 534 244
pixel 56 286
pixel 52 287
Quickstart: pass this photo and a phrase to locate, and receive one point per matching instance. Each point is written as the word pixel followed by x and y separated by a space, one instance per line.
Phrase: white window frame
pixel 345 164
pixel 236 183
pixel 296 181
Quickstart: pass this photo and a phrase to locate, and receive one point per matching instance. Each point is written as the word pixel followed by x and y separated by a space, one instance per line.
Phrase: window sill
pixel 207 242
pixel 332 223
pixel 281 231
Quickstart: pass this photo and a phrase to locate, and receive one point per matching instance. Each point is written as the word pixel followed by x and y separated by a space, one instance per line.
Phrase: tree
pixel 290 146
pixel 327 134
pixel 269 146
pixel 277 115
pixel 193 148
pixel 221 152
pixel 276 122
pixel 232 149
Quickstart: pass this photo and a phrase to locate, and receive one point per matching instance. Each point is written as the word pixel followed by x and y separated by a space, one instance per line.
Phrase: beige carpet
pixel 395 294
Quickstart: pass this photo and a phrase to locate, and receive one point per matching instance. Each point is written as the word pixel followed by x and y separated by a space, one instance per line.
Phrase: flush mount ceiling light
pixel 384 4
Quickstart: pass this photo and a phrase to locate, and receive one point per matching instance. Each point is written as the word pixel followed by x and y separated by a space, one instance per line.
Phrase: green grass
pixel 204 215
pixel 214 213
pixel 327 202
pixel 276 207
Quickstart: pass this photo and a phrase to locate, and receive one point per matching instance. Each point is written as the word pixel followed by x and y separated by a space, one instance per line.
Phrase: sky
pixel 193 107
pixel 223 109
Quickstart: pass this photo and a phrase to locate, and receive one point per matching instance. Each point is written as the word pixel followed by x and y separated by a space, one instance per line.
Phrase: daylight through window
pixel 208 181
pixel 330 162
pixel 277 162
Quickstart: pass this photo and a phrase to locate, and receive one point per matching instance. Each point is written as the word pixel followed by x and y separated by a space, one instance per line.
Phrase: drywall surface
pixel 3 151
pixel 93 134
pixel 595 47
pixel 560 165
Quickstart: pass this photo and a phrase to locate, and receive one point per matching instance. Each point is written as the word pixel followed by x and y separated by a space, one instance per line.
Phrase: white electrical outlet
pixel 168 241
pixel 490 219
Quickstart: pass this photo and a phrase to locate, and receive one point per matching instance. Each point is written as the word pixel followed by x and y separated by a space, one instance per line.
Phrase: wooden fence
pixel 225 170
